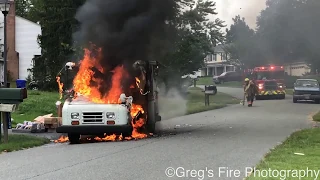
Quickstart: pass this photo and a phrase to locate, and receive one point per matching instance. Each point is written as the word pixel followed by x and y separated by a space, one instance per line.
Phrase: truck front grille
pixel 307 92
pixel 92 117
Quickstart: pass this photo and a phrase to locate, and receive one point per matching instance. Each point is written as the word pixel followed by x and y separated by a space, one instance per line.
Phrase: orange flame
pixel 83 85
pixel 60 86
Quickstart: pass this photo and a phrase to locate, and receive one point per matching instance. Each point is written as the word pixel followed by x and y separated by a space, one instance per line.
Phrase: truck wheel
pixel 74 138
pixel 294 100
pixel 151 121
pixel 317 101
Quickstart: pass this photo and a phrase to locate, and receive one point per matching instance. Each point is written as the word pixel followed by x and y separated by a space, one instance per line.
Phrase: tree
pixel 241 44
pixel 22 7
pixel 195 36
pixel 287 30
pixel 58 24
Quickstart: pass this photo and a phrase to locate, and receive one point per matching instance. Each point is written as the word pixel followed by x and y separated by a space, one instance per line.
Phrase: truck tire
pixel 294 100
pixel 74 138
pixel 151 118
pixel 317 101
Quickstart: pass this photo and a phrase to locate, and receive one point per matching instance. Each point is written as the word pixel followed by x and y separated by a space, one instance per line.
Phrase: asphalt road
pixel 234 138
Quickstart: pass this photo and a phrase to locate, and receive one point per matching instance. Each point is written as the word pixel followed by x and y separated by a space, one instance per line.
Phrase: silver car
pixel 306 89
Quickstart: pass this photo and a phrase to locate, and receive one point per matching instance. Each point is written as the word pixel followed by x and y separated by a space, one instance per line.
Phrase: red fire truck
pixel 270 81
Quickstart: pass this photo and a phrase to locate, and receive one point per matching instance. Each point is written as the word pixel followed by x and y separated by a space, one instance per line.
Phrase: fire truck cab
pixel 269 81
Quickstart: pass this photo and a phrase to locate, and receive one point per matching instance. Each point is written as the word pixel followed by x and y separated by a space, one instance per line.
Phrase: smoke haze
pixel 249 9
pixel 122 28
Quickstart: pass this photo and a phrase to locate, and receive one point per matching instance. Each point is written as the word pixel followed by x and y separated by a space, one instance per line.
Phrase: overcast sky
pixel 249 9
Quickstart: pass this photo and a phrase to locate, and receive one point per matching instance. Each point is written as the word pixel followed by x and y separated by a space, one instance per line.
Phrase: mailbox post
pixel 9 99
pixel 208 91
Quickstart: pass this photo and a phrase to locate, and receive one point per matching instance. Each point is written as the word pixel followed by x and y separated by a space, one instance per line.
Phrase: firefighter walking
pixel 250 90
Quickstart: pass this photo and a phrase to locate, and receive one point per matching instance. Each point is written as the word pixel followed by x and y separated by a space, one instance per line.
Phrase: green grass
pixel 316 117
pixel 209 81
pixel 196 104
pixel 171 107
pixel 19 142
pixel 283 157
pixel 289 91
pixel 205 81
pixel 37 104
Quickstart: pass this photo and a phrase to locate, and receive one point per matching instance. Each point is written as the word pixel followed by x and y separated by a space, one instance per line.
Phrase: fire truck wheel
pixel 74 138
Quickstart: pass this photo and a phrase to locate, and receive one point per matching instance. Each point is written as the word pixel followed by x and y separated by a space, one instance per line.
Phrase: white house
pixel 216 63
pixel 297 68
pixel 22 44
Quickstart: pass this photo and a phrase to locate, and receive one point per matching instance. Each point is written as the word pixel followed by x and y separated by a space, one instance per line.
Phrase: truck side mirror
pixel 12 95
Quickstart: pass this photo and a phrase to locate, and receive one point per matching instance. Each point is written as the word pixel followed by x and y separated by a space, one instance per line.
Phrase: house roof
pixel 220 48
pixel 27 20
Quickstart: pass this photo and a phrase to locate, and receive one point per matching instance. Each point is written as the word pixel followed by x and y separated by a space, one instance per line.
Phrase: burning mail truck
pixel 86 112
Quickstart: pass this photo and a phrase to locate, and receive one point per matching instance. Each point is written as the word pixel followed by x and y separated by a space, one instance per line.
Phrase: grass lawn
pixel 37 104
pixel 283 157
pixel 208 81
pixel 316 117
pixel 194 102
pixel 19 142
pixel 289 91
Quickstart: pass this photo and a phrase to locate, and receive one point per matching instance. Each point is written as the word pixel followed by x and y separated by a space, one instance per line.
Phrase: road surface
pixel 233 138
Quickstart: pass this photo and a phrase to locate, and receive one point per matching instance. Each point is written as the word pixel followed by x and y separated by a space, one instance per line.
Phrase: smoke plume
pixel 123 28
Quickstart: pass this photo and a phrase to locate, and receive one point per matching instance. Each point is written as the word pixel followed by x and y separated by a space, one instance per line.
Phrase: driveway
pixel 231 138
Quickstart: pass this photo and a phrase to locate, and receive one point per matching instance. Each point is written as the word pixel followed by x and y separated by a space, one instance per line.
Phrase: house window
pixel 223 56
pixel 214 57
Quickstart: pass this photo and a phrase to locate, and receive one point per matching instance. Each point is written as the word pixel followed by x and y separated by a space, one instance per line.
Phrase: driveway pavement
pixel 231 138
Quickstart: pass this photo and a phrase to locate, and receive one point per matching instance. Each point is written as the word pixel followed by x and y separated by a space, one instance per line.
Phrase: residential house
pixel 297 68
pixel 22 44
pixel 216 63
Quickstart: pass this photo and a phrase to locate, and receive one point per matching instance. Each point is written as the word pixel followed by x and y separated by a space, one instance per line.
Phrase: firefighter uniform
pixel 250 90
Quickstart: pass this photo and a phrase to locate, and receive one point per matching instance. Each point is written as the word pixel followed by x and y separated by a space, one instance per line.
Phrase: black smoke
pixel 124 29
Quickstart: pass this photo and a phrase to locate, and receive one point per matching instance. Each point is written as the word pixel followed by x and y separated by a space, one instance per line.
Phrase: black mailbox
pixel 210 89
pixel 12 95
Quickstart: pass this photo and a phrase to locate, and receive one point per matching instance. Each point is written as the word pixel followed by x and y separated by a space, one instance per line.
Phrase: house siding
pixel 26 44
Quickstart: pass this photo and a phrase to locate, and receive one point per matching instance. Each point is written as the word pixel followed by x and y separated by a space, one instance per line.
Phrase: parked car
pixel 227 77
pixel 306 89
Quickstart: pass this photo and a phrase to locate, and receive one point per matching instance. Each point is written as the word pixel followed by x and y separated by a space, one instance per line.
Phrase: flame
pixel 62 139
pixel 60 85
pixel 138 85
pixel 83 86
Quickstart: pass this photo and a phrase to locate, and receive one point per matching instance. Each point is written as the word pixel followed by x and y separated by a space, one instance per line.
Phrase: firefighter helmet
pixel 246 79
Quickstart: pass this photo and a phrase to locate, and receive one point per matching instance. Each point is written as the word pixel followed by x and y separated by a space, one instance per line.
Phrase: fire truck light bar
pixel 271 68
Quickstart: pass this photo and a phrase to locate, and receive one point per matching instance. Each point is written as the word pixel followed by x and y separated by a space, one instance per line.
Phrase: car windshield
pixel 223 74
pixel 307 83
pixel 269 75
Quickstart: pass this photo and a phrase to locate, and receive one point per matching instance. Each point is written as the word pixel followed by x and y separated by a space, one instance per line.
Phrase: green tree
pixel 241 44
pixel 287 31
pixel 22 7
pixel 57 21
pixel 194 39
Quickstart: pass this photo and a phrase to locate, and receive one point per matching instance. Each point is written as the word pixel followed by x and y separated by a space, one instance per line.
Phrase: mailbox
pixel 12 95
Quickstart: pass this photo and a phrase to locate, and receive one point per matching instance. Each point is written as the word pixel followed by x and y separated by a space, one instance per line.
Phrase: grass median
pixel 193 103
pixel 209 81
pixel 301 151
pixel 18 142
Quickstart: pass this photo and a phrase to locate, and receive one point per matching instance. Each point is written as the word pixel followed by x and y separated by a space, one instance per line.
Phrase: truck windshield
pixel 269 75
pixel 307 83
